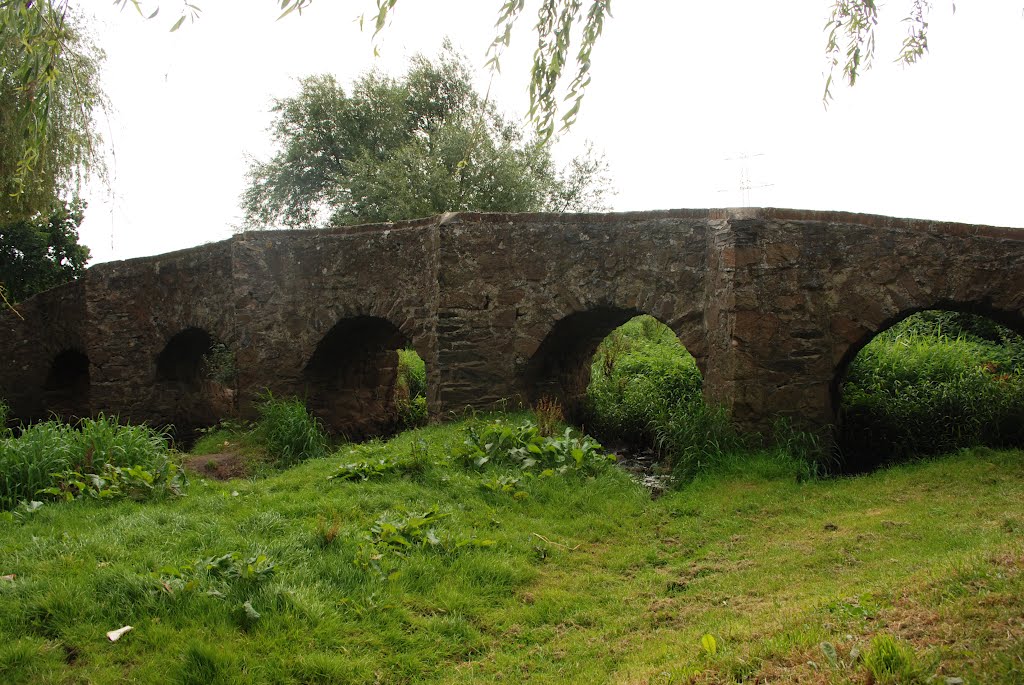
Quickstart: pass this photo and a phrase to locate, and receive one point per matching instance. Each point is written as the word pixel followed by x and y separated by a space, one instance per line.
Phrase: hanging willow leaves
pixel 557 21
pixel 562 25
pixel 851 38
pixel 49 84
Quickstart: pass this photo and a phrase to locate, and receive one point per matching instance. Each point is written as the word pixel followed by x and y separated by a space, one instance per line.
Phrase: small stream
pixel 643 465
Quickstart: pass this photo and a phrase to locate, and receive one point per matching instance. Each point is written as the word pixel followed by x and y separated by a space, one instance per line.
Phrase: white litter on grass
pixel 115 635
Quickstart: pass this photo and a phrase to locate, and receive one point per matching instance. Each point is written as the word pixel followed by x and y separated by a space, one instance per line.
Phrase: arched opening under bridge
pixel 66 389
pixel 364 380
pixel 195 381
pixel 931 382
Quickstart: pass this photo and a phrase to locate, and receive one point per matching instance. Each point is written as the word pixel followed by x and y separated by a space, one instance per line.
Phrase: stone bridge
pixel 773 303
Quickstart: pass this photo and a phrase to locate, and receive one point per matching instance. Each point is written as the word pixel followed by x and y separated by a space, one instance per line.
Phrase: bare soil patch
pixel 221 466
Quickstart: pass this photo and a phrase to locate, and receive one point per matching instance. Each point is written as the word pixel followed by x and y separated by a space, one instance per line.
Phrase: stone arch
pixel 66 388
pixel 185 391
pixel 560 366
pixel 860 454
pixel 350 377
pixel 850 346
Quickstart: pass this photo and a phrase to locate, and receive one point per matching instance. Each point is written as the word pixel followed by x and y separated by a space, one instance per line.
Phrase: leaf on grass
pixel 250 613
pixel 829 651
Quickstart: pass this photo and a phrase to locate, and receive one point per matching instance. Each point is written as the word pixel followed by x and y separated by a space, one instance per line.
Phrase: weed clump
pixel 411 390
pixel 290 434
pixel 393 536
pixel 520 444
pixel 219 364
pixel 97 457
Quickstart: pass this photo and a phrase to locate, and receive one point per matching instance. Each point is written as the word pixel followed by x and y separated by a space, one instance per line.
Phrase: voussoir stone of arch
pixel 504 308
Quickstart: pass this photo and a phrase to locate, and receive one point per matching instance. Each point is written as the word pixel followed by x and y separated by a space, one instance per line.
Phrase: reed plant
pixel 411 390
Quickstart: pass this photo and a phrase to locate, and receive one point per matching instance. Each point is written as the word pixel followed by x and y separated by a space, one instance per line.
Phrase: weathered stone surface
pixel 772 303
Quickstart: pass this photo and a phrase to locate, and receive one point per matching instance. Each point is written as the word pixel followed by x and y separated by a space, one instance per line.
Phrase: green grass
pixel 294 578
pixel 646 390
pixel 640 373
pixel 933 383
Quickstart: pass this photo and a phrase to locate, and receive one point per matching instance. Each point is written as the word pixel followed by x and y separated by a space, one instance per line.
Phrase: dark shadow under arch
pixel 350 377
pixel 186 390
pixel 181 360
pixel 66 390
pixel 560 368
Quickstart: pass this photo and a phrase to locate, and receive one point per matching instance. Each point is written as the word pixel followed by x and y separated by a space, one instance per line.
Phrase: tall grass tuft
pixel 28 463
pixel 694 436
pixel 891 662
pixel 288 431
pixel 5 416
pixel 411 390
pixel 103 441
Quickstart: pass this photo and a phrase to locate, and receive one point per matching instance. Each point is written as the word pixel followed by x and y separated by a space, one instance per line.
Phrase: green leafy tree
pixel 41 252
pixel 401 148
pixel 50 90
pixel 49 142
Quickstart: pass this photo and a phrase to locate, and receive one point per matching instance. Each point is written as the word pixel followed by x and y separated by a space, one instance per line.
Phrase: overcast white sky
pixel 682 91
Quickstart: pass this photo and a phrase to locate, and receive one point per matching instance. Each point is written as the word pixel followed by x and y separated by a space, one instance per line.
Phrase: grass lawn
pixel 431 571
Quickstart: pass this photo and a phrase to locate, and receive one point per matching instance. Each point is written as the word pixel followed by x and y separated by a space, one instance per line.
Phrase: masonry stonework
pixel 772 303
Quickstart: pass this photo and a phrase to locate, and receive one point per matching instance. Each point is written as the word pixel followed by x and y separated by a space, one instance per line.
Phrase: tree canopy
pixel 41 252
pixel 401 148
pixel 49 141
